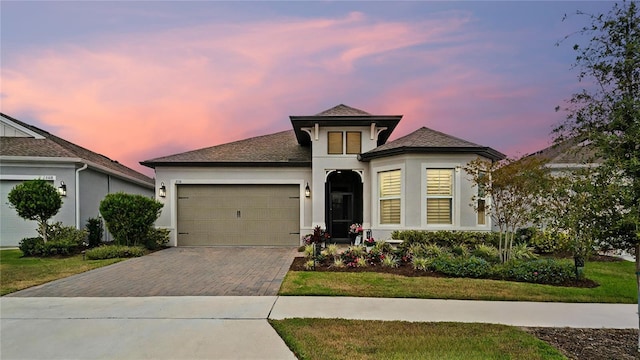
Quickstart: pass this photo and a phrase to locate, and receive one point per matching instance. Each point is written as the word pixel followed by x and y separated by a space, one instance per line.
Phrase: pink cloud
pixel 127 96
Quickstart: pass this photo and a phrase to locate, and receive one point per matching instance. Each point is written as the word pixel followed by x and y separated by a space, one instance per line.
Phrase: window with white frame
pixel 439 196
pixel 390 184
pixel 481 206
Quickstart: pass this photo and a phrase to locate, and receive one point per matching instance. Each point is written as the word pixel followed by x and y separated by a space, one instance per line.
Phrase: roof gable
pixel 343 115
pixel 51 146
pixel 278 149
pixel 425 140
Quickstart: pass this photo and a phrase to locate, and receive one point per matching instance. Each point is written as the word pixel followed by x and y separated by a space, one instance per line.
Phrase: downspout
pixel 77 194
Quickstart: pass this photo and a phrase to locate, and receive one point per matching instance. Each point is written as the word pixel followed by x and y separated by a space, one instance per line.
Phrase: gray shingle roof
pixel 342 110
pixel 569 152
pixel 53 146
pixel 279 149
pixel 425 140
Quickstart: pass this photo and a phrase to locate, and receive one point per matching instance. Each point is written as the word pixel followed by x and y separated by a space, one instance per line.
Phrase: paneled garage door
pixel 238 215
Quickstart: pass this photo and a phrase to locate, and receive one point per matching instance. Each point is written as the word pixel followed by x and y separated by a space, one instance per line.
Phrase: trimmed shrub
pixel 36 200
pixel 445 238
pixel 113 252
pixel 66 234
pixel 543 271
pixel 472 267
pixel 96 229
pixel 129 217
pixel 32 246
pixel 156 238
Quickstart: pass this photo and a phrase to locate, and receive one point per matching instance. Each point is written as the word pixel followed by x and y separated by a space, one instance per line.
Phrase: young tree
pixel 586 205
pixel 514 189
pixel 36 200
pixel 607 111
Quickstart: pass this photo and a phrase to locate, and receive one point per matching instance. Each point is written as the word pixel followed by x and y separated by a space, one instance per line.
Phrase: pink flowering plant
pixel 355 229
pixel 369 241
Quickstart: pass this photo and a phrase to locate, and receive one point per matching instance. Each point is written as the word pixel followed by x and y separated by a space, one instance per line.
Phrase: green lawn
pixel 617 285
pixel 357 339
pixel 17 272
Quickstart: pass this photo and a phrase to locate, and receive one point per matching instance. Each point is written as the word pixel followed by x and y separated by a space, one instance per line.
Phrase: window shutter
pixel 390 183
pixel 335 142
pixel 439 182
pixel 354 142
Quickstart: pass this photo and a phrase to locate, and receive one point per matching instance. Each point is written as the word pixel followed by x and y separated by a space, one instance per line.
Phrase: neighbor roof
pixel 343 115
pixel 425 140
pixel 52 146
pixel 279 149
pixel 570 151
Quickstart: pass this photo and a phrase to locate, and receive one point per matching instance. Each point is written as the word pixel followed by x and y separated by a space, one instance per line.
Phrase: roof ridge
pixel 343 110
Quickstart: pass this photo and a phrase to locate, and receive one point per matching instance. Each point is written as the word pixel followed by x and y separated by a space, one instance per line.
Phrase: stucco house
pixel 331 170
pixel 83 177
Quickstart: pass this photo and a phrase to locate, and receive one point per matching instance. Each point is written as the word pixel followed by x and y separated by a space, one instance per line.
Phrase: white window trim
pixel 487 217
pixel 375 195
pixel 455 202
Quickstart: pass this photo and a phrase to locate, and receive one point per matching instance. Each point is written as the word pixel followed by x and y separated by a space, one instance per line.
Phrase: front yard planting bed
pixel 616 281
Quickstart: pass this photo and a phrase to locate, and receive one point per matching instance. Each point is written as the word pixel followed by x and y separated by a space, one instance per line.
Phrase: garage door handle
pixel 238 214
pixel 294 233
pixel 183 233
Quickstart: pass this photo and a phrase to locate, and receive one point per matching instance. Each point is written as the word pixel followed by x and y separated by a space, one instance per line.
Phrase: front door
pixel 342 215
pixel 344 204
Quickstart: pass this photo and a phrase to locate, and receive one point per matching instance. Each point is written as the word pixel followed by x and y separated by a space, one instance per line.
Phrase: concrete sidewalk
pixel 232 327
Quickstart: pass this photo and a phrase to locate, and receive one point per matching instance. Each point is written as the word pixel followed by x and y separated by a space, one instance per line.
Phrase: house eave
pixel 296 164
pixel 75 162
pixel 482 151
pixel 387 121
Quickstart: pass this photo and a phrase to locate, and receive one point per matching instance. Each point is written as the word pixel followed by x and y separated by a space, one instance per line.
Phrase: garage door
pixel 266 215
pixel 13 228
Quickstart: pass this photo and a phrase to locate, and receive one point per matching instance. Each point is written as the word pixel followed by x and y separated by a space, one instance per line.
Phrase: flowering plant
pixel 319 235
pixel 369 242
pixel 355 229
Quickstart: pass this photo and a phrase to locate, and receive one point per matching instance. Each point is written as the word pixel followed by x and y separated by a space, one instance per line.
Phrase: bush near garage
pixel 114 251
pixel 130 217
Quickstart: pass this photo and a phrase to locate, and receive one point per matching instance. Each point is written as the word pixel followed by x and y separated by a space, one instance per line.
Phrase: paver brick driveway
pixel 187 271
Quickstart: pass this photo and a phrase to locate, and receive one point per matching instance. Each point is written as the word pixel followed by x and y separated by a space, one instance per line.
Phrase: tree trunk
pixel 43 230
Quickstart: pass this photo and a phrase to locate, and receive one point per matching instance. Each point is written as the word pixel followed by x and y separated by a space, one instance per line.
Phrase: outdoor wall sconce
pixel 162 192
pixel 307 191
pixel 62 190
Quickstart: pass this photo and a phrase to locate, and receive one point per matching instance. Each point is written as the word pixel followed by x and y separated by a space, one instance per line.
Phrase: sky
pixel 137 80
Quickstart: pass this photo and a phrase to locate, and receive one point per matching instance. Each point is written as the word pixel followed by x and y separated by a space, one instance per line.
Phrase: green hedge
pixel 114 251
pixel 445 238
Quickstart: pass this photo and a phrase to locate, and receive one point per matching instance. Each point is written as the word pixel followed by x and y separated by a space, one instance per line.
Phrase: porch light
pixel 162 192
pixel 307 191
pixel 62 190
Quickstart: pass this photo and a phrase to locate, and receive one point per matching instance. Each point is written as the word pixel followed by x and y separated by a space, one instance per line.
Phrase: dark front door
pixel 344 204
pixel 342 215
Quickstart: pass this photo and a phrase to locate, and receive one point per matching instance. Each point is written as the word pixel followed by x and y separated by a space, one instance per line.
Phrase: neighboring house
pixel 27 153
pixel 568 155
pixel 333 169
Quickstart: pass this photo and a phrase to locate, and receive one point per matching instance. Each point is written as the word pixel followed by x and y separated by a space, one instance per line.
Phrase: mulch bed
pixel 592 344
pixel 407 270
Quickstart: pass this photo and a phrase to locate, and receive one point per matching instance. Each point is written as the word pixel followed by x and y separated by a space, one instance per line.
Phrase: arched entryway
pixel 343 203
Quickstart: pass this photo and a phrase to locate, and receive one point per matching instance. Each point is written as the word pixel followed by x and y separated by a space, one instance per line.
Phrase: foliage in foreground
pixel 349 339
pixel 114 252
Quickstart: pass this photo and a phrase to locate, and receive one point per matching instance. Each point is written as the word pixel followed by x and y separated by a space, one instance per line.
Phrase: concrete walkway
pixel 232 327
